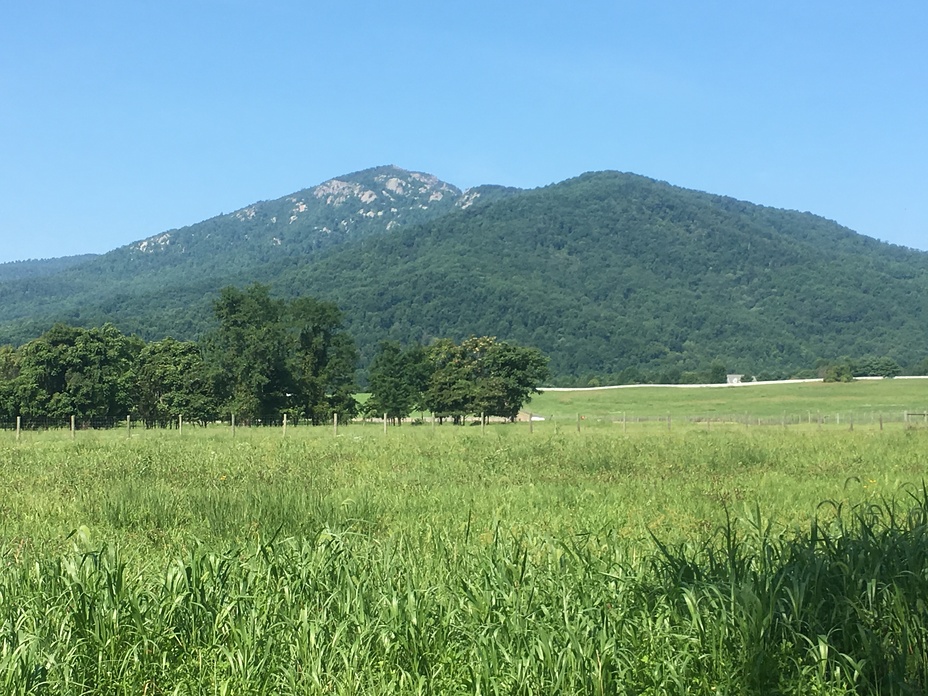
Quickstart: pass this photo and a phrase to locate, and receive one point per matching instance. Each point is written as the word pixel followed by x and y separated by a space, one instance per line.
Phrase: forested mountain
pixel 606 273
pixel 163 284
pixel 611 271
pixel 35 268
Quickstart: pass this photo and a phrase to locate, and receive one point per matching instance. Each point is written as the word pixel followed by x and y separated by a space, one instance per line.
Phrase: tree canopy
pixel 398 379
pixel 479 376
pixel 270 356
pixel 69 371
pixel 266 357
pixel 173 382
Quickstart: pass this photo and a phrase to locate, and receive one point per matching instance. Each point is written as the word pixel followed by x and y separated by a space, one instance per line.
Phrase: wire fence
pixel 174 423
pixel 627 422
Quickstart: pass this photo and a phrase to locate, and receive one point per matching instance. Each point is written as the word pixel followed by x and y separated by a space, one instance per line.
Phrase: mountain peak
pixel 392 181
pixel 351 206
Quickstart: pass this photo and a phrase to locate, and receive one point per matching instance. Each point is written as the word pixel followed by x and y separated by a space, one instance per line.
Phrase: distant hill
pixel 606 272
pixel 36 268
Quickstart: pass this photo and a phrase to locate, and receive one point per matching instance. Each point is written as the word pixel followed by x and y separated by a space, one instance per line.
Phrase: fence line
pixel 628 422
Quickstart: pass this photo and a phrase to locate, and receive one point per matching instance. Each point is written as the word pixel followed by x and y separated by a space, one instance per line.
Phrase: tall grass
pixel 450 562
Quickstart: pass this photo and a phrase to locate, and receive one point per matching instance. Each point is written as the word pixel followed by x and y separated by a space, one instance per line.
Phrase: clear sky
pixel 121 119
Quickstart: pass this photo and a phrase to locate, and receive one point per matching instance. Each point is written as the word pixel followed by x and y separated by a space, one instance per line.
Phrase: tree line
pixel 264 358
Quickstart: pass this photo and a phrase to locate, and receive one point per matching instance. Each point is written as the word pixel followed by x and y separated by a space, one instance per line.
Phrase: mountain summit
pixel 345 208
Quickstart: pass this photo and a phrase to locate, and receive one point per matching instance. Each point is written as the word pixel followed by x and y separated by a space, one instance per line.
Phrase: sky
pixel 120 120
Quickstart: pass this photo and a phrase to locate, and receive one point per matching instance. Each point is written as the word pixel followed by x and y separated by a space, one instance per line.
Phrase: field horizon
pixel 796 399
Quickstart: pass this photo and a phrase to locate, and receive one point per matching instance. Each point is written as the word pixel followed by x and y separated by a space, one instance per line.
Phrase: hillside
pixel 606 273
pixel 36 268
pixel 611 271
pixel 161 284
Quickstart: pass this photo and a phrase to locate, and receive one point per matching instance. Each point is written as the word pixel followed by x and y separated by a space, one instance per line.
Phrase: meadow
pixel 862 401
pixel 466 560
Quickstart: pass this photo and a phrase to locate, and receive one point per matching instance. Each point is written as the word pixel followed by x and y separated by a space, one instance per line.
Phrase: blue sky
pixel 124 119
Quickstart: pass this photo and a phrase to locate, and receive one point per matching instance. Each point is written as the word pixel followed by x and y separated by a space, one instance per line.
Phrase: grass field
pixel 464 560
pixel 863 399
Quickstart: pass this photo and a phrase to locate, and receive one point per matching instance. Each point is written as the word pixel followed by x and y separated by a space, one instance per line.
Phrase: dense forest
pixel 35 268
pixel 615 277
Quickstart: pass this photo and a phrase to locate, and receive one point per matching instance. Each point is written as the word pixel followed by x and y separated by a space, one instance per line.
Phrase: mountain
pixel 339 210
pixel 162 284
pixel 606 272
pixel 612 271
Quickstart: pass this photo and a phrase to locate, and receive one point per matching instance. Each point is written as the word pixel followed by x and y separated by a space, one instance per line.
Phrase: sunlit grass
pixel 464 560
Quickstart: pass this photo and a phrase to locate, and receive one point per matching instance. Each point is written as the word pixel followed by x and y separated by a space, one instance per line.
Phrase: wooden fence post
pixel 285 425
pixel 72 427
pixel 384 422
pixel 180 424
pixel 233 425
pixel 335 426
pixel 19 420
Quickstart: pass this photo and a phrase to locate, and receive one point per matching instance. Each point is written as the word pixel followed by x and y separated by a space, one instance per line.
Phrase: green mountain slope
pixel 604 272
pixel 610 271
pixel 36 268
pixel 162 284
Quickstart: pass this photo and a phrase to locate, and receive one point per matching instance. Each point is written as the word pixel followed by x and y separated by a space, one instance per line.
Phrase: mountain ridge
pixel 347 205
pixel 32 268
pixel 634 272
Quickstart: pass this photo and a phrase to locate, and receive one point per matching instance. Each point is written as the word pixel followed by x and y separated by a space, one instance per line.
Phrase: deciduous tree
pixel 247 353
pixel 9 371
pixel 398 379
pixel 482 376
pixel 87 373
pixel 268 356
pixel 323 360
pixel 173 381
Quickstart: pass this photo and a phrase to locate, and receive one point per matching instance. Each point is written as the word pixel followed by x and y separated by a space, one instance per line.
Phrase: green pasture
pixel 160 488
pixel 863 400
pixel 463 560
